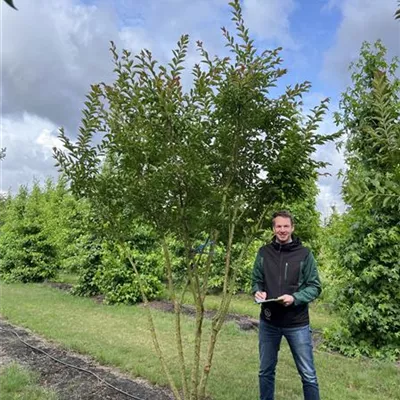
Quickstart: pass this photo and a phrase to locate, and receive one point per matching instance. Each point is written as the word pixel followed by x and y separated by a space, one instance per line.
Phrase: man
pixel 286 271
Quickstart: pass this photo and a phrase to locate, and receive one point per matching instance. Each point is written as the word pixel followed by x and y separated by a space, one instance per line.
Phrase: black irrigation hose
pixel 71 366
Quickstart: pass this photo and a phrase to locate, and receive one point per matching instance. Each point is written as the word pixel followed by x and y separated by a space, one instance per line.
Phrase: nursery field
pixel 177 173
pixel 117 336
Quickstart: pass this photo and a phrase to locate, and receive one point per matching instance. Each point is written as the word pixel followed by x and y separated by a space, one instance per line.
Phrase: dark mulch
pixel 99 298
pixel 70 383
pixel 62 286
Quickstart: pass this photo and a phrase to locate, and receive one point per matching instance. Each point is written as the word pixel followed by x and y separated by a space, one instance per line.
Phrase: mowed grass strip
pixel 17 382
pixel 118 336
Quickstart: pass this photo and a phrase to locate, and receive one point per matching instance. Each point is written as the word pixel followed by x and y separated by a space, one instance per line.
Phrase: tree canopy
pixel 368 246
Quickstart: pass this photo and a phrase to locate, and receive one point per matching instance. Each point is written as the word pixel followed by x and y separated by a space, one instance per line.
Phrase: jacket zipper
pixel 286 268
pixel 280 268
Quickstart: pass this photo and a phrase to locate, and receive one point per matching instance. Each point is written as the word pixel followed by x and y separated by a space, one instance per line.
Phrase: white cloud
pixel 270 20
pixel 52 52
pixel 135 39
pixel 362 20
pixel 48 140
pixel 331 4
pixel 29 141
pixel 329 184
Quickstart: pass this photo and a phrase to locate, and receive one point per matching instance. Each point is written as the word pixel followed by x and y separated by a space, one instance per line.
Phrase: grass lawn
pixel 19 383
pixel 117 335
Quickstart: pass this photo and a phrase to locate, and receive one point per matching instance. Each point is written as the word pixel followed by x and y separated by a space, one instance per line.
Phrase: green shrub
pixel 27 252
pixel 117 280
pixel 104 271
pixel 87 261
pixel 367 296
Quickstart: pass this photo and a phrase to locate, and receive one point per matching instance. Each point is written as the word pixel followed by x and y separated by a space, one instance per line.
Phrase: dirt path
pixel 70 383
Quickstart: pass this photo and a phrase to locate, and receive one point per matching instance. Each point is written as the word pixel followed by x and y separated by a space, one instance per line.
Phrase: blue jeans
pixel 300 342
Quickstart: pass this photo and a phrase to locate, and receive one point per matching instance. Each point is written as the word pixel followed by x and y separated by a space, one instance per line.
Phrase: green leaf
pixel 11 4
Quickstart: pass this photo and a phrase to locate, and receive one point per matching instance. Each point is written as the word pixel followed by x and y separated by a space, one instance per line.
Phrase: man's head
pixel 283 226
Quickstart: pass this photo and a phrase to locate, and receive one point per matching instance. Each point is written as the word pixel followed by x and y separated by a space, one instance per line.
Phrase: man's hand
pixel 286 300
pixel 260 295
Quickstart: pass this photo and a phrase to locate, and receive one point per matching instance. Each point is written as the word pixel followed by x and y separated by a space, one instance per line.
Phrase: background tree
pixel 369 246
pixel 27 253
pixel 202 166
pixel 67 222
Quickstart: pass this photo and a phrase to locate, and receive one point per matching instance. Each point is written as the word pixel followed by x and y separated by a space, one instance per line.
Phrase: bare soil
pixel 67 382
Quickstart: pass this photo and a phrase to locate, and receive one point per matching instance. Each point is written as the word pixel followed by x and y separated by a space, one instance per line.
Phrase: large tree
pixel 369 247
pixel 203 165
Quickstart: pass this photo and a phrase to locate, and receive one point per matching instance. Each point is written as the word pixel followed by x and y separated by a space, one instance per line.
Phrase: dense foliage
pixel 27 251
pixel 79 248
pixel 115 277
pixel 367 244
pixel 46 230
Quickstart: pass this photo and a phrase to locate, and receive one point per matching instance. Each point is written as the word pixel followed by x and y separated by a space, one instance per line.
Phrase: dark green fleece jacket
pixel 286 269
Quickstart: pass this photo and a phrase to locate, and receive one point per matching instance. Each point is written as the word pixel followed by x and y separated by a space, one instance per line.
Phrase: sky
pixel 52 51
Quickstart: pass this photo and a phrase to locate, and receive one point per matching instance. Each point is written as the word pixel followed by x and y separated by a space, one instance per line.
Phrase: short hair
pixel 283 214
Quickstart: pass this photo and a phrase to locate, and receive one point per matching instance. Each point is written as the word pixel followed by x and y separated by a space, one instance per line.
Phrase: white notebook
pixel 268 300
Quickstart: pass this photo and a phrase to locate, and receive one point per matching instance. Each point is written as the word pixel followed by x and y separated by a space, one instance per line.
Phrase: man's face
pixel 283 229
